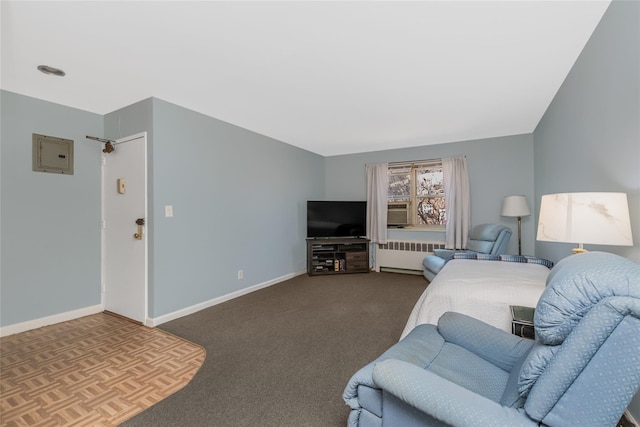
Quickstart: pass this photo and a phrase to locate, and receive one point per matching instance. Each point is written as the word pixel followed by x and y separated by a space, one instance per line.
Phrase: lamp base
pixel 579 249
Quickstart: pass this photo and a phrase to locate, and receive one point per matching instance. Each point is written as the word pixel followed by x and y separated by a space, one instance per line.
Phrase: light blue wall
pixel 50 223
pixel 239 202
pixel 498 167
pixel 589 137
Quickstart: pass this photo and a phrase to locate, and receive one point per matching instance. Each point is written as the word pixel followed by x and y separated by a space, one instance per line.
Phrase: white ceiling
pixel 331 77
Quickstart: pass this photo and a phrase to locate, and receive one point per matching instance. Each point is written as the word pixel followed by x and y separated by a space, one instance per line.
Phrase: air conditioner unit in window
pixel 397 214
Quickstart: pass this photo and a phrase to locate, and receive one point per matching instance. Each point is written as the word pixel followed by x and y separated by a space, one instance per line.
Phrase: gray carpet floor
pixel 281 356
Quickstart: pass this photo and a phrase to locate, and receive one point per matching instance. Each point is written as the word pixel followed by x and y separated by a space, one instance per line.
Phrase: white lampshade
pixel 515 206
pixel 595 218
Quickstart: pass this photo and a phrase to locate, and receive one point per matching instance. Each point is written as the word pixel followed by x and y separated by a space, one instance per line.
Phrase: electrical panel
pixel 52 155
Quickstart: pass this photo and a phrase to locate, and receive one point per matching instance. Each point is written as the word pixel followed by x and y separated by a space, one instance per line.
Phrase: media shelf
pixel 337 255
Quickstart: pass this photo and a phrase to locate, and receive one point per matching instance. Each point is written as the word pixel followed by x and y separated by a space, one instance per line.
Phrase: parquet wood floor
pixel 98 370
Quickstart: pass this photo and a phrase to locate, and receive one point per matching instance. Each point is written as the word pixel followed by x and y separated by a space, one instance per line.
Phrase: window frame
pixel 413 197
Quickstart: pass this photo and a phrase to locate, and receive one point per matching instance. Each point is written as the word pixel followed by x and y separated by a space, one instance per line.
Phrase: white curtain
pixel 456 189
pixel 377 187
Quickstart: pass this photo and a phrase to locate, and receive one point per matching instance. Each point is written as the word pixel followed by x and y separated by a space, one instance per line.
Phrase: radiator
pixel 404 256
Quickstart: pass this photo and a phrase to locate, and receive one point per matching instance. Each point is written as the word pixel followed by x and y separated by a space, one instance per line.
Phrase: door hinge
pixel 103 224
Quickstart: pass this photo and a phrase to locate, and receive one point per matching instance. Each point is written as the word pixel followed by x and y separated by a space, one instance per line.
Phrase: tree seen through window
pixel 421 188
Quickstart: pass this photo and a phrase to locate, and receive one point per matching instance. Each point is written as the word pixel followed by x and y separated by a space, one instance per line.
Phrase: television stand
pixel 337 256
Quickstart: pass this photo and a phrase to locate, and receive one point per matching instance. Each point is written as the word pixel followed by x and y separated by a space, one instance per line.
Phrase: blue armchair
pixel 485 238
pixel 582 369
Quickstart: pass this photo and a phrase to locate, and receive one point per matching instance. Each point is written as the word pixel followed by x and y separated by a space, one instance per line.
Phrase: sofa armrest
pixel 445 254
pixel 443 400
pixel 494 345
pixel 419 347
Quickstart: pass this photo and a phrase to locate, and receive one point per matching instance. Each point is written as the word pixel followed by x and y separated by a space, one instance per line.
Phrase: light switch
pixel 168 211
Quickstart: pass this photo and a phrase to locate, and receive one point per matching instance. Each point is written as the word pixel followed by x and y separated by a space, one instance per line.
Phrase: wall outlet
pixel 168 211
pixel 240 274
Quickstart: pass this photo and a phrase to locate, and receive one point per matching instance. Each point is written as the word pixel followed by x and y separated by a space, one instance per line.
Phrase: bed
pixel 482 287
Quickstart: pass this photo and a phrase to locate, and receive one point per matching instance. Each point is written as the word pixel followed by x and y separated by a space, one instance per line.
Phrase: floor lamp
pixel 516 206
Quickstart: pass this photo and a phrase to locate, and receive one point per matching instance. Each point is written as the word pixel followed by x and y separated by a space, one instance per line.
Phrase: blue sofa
pixel 491 239
pixel 582 369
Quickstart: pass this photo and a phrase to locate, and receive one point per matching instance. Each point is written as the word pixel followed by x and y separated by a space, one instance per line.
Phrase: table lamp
pixel 595 218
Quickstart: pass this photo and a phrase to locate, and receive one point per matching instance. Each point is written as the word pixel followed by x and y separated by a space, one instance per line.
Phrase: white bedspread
pixel 480 289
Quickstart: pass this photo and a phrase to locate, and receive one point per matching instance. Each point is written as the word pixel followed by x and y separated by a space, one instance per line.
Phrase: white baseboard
pixel 49 320
pixel 152 322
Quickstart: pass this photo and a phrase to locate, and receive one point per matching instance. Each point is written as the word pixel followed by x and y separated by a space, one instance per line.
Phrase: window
pixel 416 194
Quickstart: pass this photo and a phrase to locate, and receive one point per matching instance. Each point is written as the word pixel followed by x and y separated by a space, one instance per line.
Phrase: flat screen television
pixel 336 219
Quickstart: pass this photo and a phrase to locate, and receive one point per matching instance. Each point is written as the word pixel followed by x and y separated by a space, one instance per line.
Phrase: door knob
pixel 140 223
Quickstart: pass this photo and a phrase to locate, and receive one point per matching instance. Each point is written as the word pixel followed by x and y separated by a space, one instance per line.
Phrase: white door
pixel 124 241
